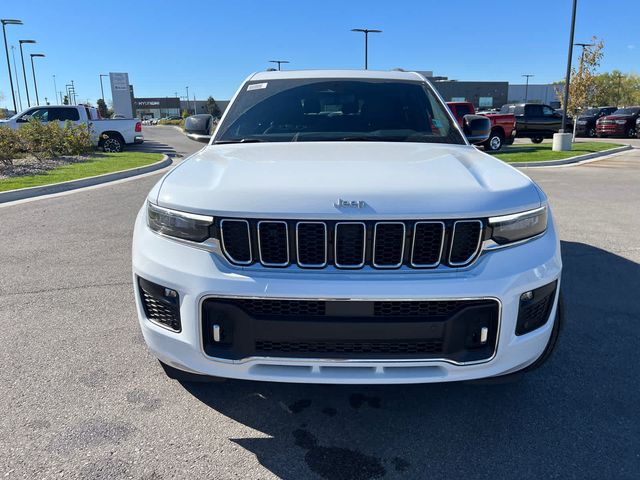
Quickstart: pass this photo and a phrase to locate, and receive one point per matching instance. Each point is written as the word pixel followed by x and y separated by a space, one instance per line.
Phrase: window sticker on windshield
pixel 256 86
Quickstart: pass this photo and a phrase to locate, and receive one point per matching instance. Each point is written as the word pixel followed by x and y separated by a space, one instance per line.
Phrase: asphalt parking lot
pixel 82 398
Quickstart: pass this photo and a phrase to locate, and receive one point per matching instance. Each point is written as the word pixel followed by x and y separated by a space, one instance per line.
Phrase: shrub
pixel 77 140
pixel 42 140
pixel 10 145
pixel 172 122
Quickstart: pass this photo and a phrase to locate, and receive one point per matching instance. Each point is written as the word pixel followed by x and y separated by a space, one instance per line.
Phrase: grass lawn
pixel 542 151
pixel 97 164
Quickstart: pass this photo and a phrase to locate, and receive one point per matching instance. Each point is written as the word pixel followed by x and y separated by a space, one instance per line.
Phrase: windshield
pixel 591 112
pixel 303 110
pixel 626 111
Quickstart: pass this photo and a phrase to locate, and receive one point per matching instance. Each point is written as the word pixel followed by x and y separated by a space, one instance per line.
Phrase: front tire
pixel 591 133
pixel 112 144
pixel 631 132
pixel 495 141
pixel 537 139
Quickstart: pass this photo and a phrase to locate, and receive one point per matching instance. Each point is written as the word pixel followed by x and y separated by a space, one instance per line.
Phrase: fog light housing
pixel 161 305
pixel 535 307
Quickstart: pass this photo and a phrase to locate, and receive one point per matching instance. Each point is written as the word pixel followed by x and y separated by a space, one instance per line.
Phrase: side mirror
pixel 23 119
pixel 477 128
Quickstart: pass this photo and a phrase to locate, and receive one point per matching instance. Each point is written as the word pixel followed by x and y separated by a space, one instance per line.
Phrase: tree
pixel 65 100
pixel 582 89
pixel 102 108
pixel 212 107
pixel 617 88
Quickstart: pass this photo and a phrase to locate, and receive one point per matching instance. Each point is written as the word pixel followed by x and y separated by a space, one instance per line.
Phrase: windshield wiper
pixel 237 140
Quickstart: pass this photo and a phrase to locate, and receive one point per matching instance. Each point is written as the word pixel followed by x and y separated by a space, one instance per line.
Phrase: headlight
pixel 519 226
pixel 188 226
pixel 621 122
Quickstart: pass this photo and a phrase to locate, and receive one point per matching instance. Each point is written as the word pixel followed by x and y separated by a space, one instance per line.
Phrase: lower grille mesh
pixel 410 347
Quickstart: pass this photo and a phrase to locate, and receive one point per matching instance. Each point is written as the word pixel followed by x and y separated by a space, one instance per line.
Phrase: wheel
pixel 631 132
pixel 112 144
pixel 182 376
pixel 537 139
pixel 495 141
pixel 546 353
pixel 591 133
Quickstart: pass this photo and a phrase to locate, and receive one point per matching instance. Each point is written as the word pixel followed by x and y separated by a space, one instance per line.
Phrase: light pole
pixel 101 88
pixel 279 62
pixel 5 22
pixel 33 70
pixel 55 88
pixel 24 70
pixel 67 88
pixel 567 79
pixel 366 32
pixel 526 88
pixel 15 71
pixel 187 99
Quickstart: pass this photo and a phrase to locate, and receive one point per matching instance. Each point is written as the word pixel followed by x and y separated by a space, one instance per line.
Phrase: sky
pixel 212 46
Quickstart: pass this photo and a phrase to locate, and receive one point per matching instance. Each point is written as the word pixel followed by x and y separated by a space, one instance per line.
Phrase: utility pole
pixel 5 22
pixel 279 62
pixel 187 99
pixel 526 88
pixel 15 70
pixel 366 32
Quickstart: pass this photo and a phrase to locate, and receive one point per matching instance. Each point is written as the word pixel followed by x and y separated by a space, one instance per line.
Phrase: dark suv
pixel 586 124
pixel 621 123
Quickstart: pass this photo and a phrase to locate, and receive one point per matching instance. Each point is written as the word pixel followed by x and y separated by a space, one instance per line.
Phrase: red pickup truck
pixel 503 125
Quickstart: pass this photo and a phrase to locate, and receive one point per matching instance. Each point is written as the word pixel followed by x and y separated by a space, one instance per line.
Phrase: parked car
pixel 586 123
pixel 503 125
pixel 621 123
pixel 199 127
pixel 536 121
pixel 340 228
pixel 111 135
pixel 638 127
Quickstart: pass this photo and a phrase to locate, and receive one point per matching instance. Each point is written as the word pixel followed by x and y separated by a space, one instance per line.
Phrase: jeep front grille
pixel 351 244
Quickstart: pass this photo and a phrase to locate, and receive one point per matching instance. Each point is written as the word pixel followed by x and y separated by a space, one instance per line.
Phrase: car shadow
pixel 153 146
pixel 574 417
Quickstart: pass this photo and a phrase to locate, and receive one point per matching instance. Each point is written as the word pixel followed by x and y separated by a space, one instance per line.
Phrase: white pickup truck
pixel 111 135
pixel 341 227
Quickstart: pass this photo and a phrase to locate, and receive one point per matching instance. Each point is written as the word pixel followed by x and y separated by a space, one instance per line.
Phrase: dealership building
pixel 157 107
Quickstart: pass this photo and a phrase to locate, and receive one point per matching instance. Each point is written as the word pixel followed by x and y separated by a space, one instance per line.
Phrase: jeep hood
pixel 304 180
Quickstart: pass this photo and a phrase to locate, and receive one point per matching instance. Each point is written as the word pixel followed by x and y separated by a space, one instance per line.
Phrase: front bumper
pixel 611 130
pixel 196 275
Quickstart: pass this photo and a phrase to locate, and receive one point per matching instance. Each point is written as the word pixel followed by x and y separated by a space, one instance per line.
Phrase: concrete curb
pixel 573 160
pixel 22 193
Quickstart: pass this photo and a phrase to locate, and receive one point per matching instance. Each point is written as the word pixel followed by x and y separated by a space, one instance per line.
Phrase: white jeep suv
pixel 340 228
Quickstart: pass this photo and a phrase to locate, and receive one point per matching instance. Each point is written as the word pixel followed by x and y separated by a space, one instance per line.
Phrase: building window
pixel 485 102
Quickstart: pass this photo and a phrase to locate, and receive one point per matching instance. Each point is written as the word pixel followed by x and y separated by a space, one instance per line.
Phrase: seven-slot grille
pixel 351 244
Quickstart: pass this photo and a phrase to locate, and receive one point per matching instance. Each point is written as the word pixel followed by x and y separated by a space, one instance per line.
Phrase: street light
pixel 15 71
pixel 569 58
pixel 526 88
pixel 101 88
pixel 279 62
pixel 24 71
pixel 33 70
pixel 5 22
pixel 366 32
pixel 187 99
pixel 55 88
pixel 67 88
